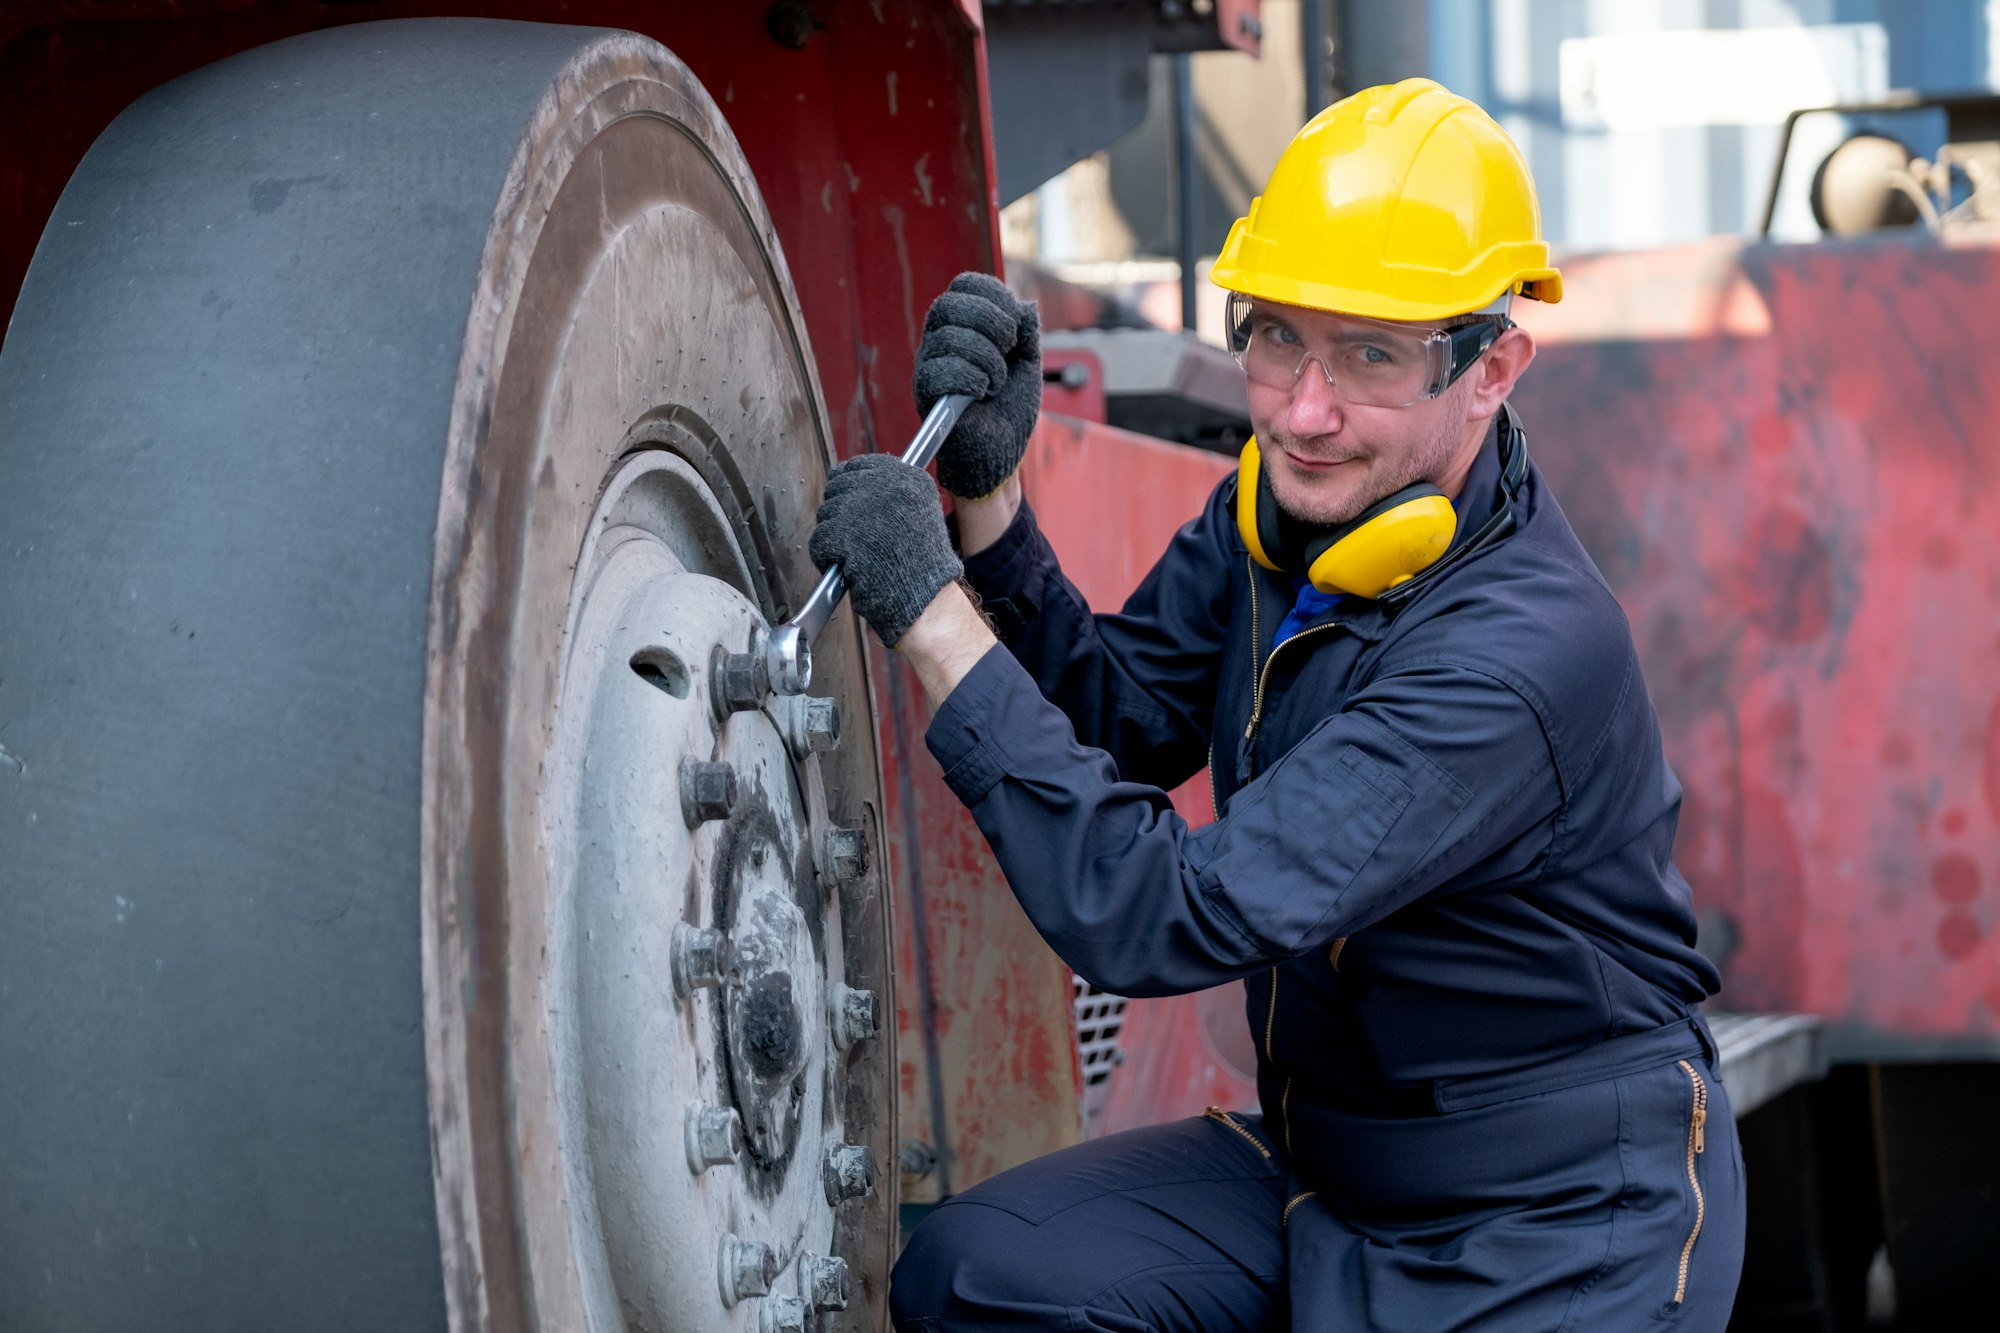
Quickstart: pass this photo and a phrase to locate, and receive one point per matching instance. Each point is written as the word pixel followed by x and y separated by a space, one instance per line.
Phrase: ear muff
pixel 1260 533
pixel 1386 545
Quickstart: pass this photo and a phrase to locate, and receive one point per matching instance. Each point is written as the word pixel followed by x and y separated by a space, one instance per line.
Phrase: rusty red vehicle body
pixel 1782 457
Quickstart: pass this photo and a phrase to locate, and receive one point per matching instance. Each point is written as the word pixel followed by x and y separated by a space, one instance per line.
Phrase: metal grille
pixel 1100 1018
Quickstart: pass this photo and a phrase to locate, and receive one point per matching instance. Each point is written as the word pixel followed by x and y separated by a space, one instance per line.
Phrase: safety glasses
pixel 1368 361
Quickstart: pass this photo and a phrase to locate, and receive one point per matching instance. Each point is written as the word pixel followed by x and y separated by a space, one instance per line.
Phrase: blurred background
pixel 1645 122
pixel 1767 404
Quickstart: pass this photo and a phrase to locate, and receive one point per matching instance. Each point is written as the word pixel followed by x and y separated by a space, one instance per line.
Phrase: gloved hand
pixel 981 339
pixel 882 524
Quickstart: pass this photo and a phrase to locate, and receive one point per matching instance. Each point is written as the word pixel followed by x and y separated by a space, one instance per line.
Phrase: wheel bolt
pixel 824 1280
pixel 700 958
pixel 810 725
pixel 782 1314
pixel 844 856
pixel 737 682
pixel 854 1015
pixel 708 791
pixel 849 1172
pixel 748 1268
pixel 714 1137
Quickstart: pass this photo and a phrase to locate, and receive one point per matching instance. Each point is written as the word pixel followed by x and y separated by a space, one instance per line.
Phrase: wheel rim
pixel 674 454
pixel 695 1108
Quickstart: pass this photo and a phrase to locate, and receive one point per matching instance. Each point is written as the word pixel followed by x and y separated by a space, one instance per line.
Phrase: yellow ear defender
pixel 1384 546
pixel 1387 551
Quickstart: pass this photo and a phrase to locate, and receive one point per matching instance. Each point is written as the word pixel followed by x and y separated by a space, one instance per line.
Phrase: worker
pixel 1441 859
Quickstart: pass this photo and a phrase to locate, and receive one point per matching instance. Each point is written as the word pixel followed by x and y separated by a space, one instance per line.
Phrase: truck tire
pixel 413 914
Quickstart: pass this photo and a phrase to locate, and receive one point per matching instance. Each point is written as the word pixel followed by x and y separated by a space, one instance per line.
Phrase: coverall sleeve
pixel 1138 684
pixel 1424 774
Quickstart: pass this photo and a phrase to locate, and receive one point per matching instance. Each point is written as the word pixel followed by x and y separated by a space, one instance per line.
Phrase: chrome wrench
pixel 788 652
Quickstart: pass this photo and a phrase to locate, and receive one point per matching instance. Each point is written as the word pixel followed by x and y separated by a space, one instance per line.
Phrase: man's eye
pixel 1281 335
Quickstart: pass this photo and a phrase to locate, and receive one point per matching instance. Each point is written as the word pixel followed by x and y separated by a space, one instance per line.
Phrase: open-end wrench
pixel 788 652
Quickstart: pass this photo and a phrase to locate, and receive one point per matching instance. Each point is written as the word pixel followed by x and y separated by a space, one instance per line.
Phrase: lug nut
pixel 748 1268
pixel 714 1137
pixel 810 725
pixel 854 1014
pixel 849 1172
pixel 824 1280
pixel 737 682
pixel 708 791
pixel 700 958
pixel 782 1314
pixel 844 856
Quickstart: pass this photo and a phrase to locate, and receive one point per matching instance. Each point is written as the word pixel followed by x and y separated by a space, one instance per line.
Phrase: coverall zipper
pixel 1263 672
pixel 1257 699
pixel 1222 1117
pixel 1697 1143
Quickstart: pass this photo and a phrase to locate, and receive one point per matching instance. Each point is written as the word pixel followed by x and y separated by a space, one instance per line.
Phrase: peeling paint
pixel 924 180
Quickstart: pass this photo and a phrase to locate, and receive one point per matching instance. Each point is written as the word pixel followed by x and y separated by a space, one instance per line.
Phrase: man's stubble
pixel 1428 459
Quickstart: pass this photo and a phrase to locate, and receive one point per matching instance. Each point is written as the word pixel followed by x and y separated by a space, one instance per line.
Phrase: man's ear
pixel 1493 378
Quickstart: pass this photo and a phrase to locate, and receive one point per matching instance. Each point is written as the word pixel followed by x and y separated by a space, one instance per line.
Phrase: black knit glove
pixel 882 524
pixel 981 339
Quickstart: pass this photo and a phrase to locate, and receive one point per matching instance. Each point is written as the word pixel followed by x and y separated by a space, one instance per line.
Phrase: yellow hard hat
pixel 1401 202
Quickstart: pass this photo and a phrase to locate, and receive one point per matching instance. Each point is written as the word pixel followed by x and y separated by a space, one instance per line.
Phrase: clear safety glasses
pixel 1368 361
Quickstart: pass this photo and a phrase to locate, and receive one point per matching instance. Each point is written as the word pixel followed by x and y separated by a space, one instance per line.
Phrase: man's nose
pixel 1316 407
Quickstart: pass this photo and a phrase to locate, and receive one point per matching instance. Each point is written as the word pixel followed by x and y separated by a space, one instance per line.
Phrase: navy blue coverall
pixel 1442 863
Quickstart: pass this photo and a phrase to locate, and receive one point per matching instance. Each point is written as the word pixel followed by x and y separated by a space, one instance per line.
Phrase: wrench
pixel 788 652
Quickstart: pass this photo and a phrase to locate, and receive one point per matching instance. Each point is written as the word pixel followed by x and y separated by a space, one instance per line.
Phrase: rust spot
pixel 1955 879
pixel 1781 722
pixel 1771 436
pixel 1941 551
pixel 1769 895
pixel 1788 577
pixel 1958 935
pixel 1954 821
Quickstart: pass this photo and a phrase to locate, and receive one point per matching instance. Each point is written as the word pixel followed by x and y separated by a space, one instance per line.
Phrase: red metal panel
pixel 1110 501
pixel 1783 458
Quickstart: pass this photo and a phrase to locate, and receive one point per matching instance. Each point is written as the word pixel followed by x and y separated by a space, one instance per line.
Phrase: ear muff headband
pixel 1388 551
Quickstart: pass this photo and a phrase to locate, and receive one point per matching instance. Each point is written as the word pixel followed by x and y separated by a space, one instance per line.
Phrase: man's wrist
pixel 946 641
pixel 984 521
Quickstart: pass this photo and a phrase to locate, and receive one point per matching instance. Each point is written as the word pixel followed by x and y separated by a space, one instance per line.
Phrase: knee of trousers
pixel 923 1279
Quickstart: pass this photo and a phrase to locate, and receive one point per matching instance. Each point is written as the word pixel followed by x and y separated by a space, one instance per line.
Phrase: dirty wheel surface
pixel 417 912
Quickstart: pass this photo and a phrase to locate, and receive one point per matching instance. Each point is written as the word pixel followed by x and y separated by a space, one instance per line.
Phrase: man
pixel 1442 853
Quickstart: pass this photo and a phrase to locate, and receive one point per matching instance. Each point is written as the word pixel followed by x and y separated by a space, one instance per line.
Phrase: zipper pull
pixel 1700 1128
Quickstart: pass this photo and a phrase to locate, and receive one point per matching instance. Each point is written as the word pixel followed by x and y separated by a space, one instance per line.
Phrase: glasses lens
pixel 1236 325
pixel 1368 362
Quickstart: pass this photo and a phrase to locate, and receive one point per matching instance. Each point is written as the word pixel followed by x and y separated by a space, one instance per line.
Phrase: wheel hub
pixel 694 931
